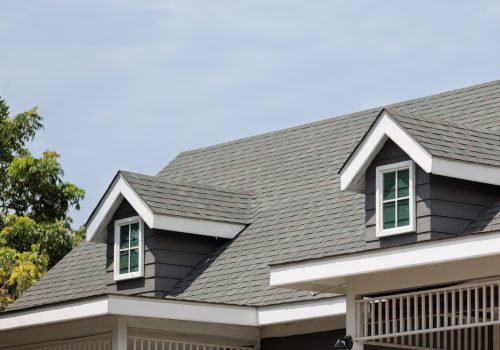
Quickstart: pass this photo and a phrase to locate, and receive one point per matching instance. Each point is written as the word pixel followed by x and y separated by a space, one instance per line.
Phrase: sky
pixel 127 84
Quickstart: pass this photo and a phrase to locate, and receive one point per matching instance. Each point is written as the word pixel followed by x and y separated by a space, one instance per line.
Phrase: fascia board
pixel 174 310
pixel 278 314
pixel 337 269
pixel 185 311
pixel 197 226
pixel 466 171
pixel 53 314
pixel 120 188
pixel 386 127
pixel 105 210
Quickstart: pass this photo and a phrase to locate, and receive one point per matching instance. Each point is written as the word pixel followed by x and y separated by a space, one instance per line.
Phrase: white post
pixel 119 338
pixel 496 337
pixel 351 320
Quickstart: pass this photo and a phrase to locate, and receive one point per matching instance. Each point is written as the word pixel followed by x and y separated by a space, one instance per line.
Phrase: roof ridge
pixel 443 121
pixel 176 182
pixel 400 104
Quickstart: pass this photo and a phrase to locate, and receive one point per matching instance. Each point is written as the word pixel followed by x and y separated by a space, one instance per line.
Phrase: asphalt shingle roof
pixel 80 274
pixel 448 139
pixel 189 199
pixel 300 211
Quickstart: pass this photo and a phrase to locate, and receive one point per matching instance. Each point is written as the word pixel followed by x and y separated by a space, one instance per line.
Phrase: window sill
pixel 128 276
pixel 395 231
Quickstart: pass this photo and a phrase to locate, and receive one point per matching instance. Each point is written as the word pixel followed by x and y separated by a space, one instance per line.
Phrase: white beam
pixel 336 269
pixel 56 313
pixel 175 310
pixel 180 310
pixel 277 314
pixel 466 171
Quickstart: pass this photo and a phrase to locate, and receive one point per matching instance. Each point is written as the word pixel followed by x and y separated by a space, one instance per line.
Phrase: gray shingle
pixel 80 274
pixel 302 213
pixel 299 212
pixel 448 139
pixel 189 199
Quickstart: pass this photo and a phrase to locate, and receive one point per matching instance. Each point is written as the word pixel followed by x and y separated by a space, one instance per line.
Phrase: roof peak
pixel 400 104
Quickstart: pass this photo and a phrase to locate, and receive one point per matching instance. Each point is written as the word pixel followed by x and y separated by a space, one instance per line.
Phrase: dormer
pixel 158 230
pixel 422 178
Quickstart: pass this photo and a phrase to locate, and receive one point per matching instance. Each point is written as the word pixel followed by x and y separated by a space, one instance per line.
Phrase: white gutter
pixel 174 310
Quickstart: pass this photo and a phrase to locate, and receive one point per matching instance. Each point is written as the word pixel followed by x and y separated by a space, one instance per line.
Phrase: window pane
pixel 134 260
pixel 389 185
pixel 124 261
pixel 134 235
pixel 403 183
pixel 124 236
pixel 389 215
pixel 403 212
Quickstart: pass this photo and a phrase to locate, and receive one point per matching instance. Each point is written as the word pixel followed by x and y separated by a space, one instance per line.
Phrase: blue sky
pixel 129 84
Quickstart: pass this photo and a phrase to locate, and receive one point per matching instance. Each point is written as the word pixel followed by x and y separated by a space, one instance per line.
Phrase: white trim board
pixel 175 310
pixel 277 314
pixel 386 127
pixel 120 189
pixel 58 313
pixel 333 271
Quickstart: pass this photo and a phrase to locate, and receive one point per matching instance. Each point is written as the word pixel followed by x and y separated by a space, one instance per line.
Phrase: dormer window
pixel 395 196
pixel 129 248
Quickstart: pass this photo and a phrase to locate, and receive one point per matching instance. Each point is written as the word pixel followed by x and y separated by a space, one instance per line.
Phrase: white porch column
pixel 496 337
pixel 119 338
pixel 351 314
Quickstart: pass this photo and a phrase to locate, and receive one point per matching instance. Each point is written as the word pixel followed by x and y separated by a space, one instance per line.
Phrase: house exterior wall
pixel 444 206
pixel 168 258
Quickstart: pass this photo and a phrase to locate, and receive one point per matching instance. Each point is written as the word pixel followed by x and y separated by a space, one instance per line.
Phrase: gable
pixel 440 148
pixel 189 208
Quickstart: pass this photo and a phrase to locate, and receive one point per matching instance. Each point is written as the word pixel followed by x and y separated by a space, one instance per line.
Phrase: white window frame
pixel 380 171
pixel 140 272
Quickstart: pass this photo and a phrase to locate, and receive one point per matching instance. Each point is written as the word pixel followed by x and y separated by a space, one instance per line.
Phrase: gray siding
pixel 444 206
pixel 168 258
pixel 316 341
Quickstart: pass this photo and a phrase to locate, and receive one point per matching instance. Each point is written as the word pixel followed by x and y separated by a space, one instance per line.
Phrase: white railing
pixel 99 342
pixel 146 343
pixel 439 311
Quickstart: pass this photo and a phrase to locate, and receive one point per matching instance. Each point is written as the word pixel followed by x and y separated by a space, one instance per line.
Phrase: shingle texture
pixel 80 274
pixel 299 212
pixel 448 139
pixel 181 198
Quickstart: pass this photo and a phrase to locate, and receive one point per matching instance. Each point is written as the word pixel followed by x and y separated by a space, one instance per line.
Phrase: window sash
pixel 397 199
pixel 128 248
pixel 400 197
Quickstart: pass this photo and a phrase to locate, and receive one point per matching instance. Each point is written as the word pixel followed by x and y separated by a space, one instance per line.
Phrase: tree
pixel 35 227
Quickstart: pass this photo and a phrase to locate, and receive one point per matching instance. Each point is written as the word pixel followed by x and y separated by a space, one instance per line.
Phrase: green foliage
pixel 34 187
pixel 35 230
pixel 55 239
pixel 19 270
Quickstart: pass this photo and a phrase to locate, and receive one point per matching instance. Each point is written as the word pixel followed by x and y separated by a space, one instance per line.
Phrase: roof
pixel 302 214
pixel 181 198
pixel 80 274
pixel 448 139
